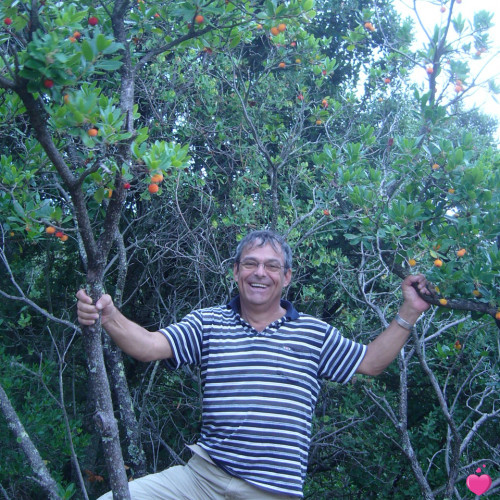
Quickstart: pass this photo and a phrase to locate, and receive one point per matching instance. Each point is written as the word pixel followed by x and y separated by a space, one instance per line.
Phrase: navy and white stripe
pixel 260 388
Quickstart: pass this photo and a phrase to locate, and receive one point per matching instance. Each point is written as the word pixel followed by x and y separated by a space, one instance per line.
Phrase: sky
pixel 431 15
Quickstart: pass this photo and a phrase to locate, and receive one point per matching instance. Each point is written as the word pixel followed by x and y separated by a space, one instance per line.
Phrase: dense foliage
pixel 317 130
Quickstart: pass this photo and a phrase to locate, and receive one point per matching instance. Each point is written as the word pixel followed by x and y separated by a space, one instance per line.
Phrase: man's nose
pixel 260 269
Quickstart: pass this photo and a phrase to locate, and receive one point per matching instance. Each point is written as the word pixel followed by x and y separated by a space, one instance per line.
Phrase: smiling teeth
pixel 258 285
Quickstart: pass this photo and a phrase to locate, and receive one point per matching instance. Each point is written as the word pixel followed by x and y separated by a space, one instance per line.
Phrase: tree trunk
pixel 120 389
pixel 121 392
pixel 104 416
pixel 43 477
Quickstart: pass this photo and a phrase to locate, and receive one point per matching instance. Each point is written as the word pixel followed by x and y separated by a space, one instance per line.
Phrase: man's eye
pixel 273 267
pixel 249 265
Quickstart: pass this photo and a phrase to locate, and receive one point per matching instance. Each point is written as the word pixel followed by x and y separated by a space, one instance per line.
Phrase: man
pixel 261 365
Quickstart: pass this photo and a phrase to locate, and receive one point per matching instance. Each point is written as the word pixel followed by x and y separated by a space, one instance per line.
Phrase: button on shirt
pixel 260 388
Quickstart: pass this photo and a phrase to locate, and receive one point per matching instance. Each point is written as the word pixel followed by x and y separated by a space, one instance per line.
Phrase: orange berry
pixel 157 178
pixel 64 237
pixel 429 69
pixel 476 293
pixel 50 230
pixel 72 39
pixel 324 103
pixel 451 191
pixel 199 19
pixel 259 26
pixel 153 188
pixel 66 98
pixel 497 315
pixel 282 65
pixel 298 61
pixel 387 80
pixel 275 31
pixel 438 262
pixel 435 166
pixel 77 35
pixel 92 132
pixel 461 252
pixel 412 262
pixel 281 27
pixel 319 122
pixel 443 302
pixel 457 345
pixel 326 212
pixel 59 234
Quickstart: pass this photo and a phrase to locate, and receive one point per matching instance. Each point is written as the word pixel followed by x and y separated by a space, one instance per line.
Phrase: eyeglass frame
pixel 254 265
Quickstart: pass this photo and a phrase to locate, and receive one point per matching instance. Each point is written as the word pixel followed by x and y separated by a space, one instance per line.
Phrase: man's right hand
pixel 132 338
pixel 88 313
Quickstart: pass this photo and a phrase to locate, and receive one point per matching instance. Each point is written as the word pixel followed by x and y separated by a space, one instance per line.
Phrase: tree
pixel 235 128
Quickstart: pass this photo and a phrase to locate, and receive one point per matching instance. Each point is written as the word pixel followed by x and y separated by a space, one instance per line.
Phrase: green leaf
pixel 109 65
pixel 19 209
pixel 99 195
pixel 87 51
pixel 101 42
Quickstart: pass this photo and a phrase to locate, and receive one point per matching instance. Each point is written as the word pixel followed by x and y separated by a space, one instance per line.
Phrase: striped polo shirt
pixel 260 388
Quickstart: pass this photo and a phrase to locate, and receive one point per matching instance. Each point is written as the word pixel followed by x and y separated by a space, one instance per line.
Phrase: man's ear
pixel 288 278
pixel 235 271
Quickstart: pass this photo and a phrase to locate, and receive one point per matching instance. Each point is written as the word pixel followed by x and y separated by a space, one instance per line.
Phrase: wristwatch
pixel 403 323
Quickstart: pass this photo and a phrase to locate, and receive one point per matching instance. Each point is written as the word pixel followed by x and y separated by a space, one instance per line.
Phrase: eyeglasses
pixel 252 265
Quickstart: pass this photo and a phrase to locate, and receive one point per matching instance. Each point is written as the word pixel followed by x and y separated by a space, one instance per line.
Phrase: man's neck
pixel 261 318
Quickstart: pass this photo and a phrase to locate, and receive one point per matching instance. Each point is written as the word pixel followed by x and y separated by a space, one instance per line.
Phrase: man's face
pixel 261 286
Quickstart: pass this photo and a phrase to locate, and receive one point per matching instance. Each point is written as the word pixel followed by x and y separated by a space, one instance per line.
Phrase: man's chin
pixel 257 299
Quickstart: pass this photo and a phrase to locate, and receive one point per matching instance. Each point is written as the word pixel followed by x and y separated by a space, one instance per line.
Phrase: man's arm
pixel 130 337
pixel 384 349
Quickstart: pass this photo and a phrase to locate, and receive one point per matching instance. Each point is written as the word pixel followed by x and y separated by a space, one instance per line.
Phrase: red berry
pixel 48 83
pixel 93 21
pixel 127 185
pixel 7 21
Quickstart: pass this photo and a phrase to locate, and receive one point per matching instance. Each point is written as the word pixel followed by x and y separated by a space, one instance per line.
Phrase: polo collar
pixel 291 312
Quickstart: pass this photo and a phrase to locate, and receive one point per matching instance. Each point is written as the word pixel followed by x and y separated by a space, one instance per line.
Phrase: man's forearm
pixel 383 350
pixel 135 340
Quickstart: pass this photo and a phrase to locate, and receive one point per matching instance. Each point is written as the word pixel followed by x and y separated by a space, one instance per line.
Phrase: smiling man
pixel 261 366
pixel 261 272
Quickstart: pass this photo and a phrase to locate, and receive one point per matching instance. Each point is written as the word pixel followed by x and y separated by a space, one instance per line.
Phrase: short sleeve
pixel 339 357
pixel 186 339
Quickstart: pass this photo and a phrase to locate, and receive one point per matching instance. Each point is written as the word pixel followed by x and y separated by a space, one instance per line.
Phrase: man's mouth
pixel 258 285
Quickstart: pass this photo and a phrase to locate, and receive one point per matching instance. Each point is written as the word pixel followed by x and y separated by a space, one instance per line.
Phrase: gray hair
pixel 261 238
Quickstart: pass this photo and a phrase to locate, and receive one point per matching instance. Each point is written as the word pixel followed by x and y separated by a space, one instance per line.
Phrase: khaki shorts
pixel 199 479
